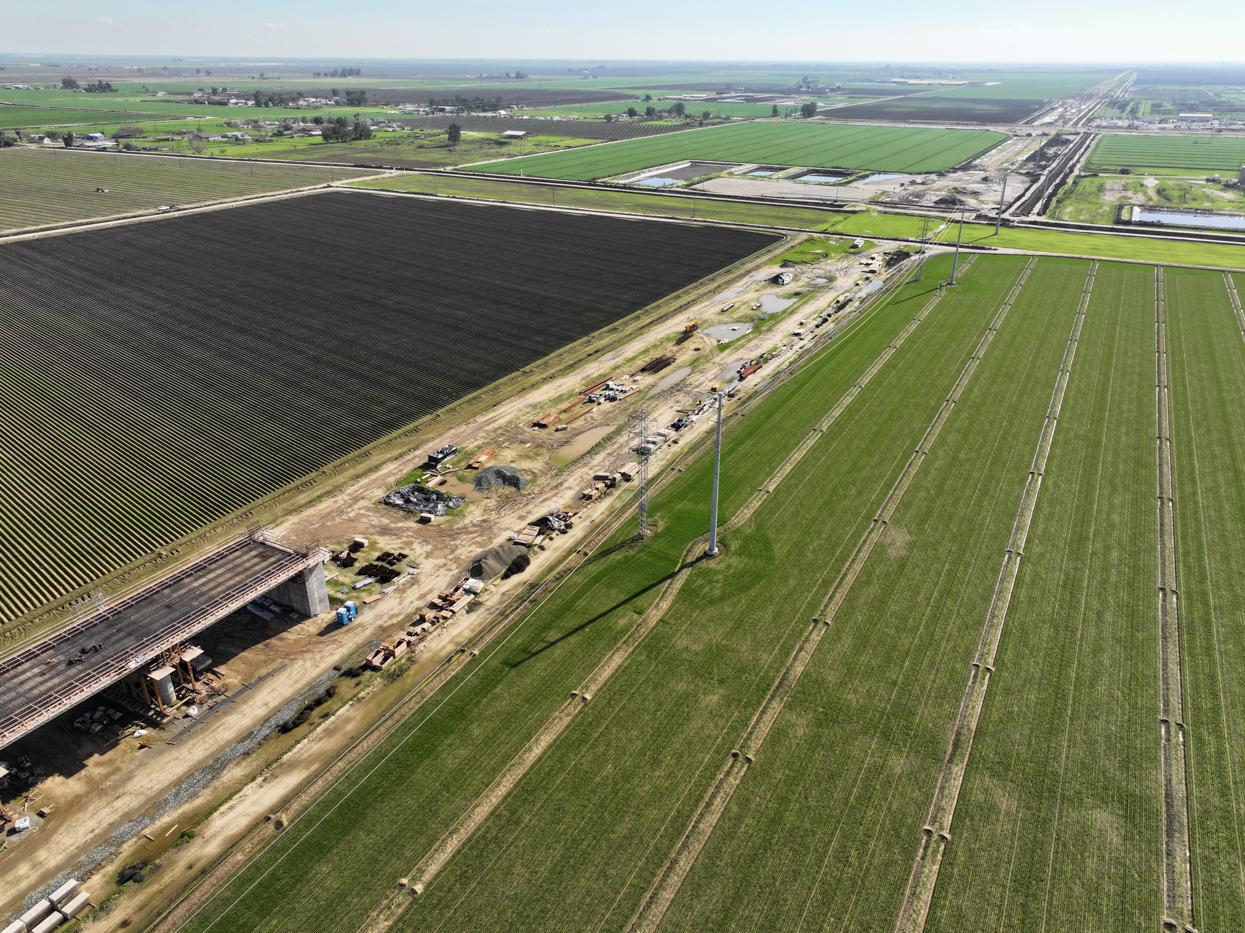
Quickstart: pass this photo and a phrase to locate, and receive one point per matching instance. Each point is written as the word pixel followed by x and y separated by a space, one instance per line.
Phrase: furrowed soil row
pixel 666 886
pixel 937 831
pixel 391 908
pixel 1177 872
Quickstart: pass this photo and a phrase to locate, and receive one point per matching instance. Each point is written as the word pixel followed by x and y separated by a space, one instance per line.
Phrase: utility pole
pixel 925 222
pixel 1002 201
pixel 712 549
pixel 956 262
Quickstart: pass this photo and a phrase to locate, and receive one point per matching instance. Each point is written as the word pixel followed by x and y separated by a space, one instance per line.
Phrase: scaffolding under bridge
pixel 49 677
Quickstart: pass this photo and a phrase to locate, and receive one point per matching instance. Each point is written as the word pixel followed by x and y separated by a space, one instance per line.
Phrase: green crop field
pixel 767 747
pixel 49 186
pixel 1030 86
pixel 1156 152
pixel 819 145
pixel 37 117
pixel 867 223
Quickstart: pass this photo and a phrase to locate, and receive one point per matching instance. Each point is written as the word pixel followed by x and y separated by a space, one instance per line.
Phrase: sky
pixel 715 30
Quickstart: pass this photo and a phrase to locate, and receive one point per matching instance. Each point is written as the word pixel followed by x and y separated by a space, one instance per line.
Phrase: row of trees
pixel 94 87
pixel 338 73
pixel 470 104
pixel 342 130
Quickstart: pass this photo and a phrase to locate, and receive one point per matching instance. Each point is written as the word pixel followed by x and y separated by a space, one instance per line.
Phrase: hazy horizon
pixel 1053 32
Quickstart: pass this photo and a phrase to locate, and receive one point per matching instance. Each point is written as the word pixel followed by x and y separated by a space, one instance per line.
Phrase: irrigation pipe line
pixel 615 521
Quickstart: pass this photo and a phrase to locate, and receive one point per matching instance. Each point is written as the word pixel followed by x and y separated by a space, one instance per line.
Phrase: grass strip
pixel 860 223
pixel 1206 355
pixel 825 825
pixel 1059 818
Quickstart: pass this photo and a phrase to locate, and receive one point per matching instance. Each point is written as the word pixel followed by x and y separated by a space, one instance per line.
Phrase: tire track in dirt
pixel 936 832
pixel 1177 872
pixel 392 906
pixel 677 866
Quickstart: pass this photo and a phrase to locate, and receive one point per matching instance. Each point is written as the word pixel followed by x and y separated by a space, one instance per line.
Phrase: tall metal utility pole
pixel 925 222
pixel 712 549
pixel 641 431
pixel 1002 202
pixel 955 263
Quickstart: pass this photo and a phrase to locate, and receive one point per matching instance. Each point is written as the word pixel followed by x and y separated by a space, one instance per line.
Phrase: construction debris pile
pixel 347 557
pixel 494 476
pixel 556 522
pixel 417 498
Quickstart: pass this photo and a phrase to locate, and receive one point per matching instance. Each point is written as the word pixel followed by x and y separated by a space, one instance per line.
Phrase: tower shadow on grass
pixel 605 612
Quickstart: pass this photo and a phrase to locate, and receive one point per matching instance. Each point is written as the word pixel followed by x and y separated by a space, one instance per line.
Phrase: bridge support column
pixel 306 591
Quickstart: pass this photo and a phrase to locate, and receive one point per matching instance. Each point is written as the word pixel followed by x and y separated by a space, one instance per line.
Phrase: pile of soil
pixel 493 476
pixel 491 563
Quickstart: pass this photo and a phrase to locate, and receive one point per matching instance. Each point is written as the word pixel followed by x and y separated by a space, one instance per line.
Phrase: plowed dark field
pixel 160 376
pixel 578 129
pixel 939 110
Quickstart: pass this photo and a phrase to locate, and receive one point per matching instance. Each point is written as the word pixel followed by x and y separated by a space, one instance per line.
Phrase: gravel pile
pixel 489 564
pixel 493 476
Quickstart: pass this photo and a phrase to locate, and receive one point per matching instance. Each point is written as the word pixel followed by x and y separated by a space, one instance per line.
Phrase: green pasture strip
pixel 828 821
pixel 694 107
pixel 636 202
pixel 48 186
pixel 884 148
pixel 34 118
pixel 398 149
pixel 582 837
pixel 1024 86
pixel 1158 151
pixel 447 753
pixel 862 223
pixel 1206 356
pixel 1059 822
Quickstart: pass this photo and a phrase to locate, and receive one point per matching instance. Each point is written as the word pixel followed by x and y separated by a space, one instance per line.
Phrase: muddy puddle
pixel 677 376
pixel 724 333
pixel 580 445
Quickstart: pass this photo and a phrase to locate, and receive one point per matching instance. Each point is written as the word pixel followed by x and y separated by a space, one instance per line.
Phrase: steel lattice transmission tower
pixel 641 432
pixel 926 223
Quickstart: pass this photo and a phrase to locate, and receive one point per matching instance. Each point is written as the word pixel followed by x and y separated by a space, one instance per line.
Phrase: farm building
pixel 514 134
pixel 1196 117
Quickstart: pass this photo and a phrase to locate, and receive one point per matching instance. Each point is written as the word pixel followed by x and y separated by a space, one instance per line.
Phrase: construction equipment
pixel 687 332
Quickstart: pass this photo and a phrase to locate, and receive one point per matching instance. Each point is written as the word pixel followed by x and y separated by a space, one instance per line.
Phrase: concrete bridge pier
pixel 305 592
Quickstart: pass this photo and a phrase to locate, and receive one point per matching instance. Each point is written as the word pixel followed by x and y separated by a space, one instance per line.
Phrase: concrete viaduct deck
pixel 39 682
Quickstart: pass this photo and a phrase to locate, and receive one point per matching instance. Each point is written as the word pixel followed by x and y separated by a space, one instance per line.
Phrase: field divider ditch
pixel 188 905
pixel 665 887
pixel 386 913
pixel 936 832
pixel 1177 871
pixel 1236 302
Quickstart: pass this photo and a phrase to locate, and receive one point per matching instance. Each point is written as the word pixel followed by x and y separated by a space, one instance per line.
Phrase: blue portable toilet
pixel 352 609
pixel 343 617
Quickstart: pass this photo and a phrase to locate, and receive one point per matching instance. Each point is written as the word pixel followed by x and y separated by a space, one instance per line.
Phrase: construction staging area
pixel 117 642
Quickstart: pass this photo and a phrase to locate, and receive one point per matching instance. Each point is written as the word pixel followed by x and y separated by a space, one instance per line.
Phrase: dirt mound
pixel 491 563
pixel 493 476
